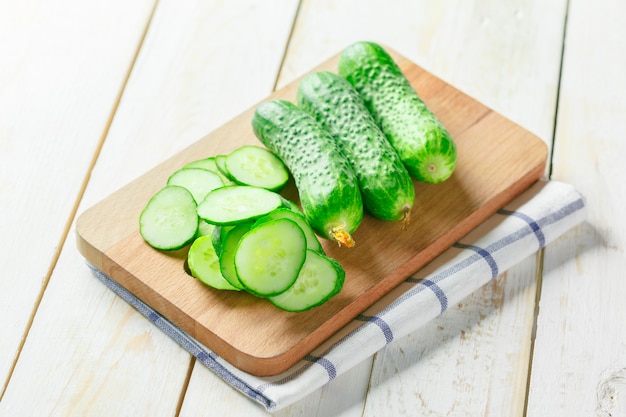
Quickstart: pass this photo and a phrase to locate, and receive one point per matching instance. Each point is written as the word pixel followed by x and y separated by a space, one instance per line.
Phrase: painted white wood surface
pixel 201 63
pixel 579 366
pixel 62 68
pixel 87 352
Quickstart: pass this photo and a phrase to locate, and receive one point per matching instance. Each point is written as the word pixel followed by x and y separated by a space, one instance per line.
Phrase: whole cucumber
pixel 423 143
pixel 386 186
pixel 327 186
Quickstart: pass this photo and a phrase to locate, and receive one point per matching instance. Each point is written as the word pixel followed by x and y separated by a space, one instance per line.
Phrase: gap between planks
pixel 287 44
pixel 541 254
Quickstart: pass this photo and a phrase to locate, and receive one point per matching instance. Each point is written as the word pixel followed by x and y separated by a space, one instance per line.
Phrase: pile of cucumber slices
pixel 243 234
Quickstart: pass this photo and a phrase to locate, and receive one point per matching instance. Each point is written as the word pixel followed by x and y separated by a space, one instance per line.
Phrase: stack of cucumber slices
pixel 242 234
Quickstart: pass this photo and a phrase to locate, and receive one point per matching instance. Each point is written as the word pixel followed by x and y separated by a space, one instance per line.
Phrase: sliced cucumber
pixel 204 264
pixel 312 242
pixel 237 203
pixel 253 165
pixel 319 279
pixel 220 162
pixel 169 221
pixel 269 257
pixel 210 165
pixel 204 163
pixel 229 241
pixel 204 228
pixel 197 180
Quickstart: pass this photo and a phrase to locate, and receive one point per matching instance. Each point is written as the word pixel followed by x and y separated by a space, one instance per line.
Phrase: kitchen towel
pixel 532 220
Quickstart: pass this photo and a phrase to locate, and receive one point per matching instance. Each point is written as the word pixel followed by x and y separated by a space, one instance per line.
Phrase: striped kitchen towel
pixel 534 219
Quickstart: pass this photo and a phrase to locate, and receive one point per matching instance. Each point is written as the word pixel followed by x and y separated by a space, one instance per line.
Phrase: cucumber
pixel 268 258
pixel 256 166
pixel 287 213
pixel 169 220
pixel 205 228
pixel 320 279
pixel 229 240
pixel 235 204
pixel 386 186
pixel 197 180
pixel 422 142
pixel 220 163
pixel 210 165
pixel 327 185
pixel 204 264
pixel 204 163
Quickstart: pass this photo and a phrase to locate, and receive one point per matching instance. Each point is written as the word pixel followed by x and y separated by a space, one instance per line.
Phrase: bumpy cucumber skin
pixel 423 143
pixel 327 185
pixel 386 186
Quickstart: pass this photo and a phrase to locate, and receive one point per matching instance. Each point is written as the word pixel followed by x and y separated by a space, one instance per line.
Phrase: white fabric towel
pixel 532 220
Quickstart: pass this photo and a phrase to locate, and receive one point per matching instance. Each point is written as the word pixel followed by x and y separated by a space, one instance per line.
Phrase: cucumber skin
pixel 386 186
pixel 413 130
pixel 327 185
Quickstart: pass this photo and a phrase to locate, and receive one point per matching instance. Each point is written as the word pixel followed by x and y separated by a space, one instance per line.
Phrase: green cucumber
pixel 235 204
pixel 327 185
pixel 169 220
pixel 287 213
pixel 229 240
pixel 386 186
pixel 422 142
pixel 256 166
pixel 204 163
pixel 210 165
pixel 205 228
pixel 197 180
pixel 268 258
pixel 220 163
pixel 320 279
pixel 204 264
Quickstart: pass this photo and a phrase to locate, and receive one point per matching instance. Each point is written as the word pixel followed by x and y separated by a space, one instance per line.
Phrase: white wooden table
pixel 93 94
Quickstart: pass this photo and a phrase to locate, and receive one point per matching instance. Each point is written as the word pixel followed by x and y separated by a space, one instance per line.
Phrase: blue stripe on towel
pixel 382 324
pixel 441 296
pixel 531 222
pixel 325 363
pixel 484 254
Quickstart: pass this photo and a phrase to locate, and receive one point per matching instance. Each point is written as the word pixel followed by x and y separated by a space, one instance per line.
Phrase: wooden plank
pixel 250 332
pixel 492 52
pixel 60 78
pixel 88 352
pixel 580 351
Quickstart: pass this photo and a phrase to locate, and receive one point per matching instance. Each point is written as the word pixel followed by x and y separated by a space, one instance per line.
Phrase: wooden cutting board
pixel 497 160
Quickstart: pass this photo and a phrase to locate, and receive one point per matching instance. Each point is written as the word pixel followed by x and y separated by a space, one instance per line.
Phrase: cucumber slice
pixel 205 229
pixel 253 165
pixel 269 257
pixel 228 245
pixel 204 163
pixel 234 204
pixel 312 242
pixel 169 221
pixel 320 279
pixel 198 181
pixel 210 165
pixel 220 163
pixel 205 265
